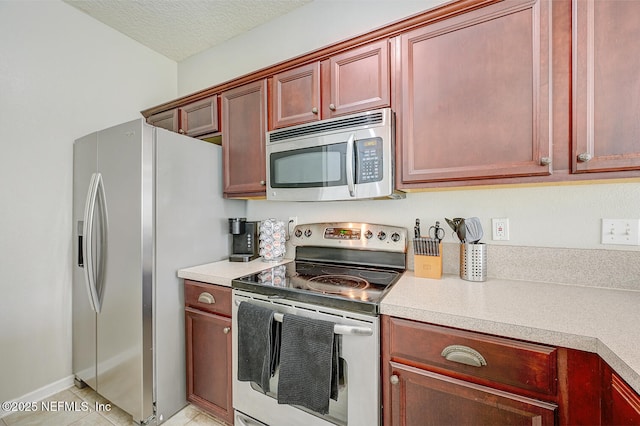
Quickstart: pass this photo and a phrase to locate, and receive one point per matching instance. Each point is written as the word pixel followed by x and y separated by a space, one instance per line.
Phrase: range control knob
pixel 395 237
pixel 307 233
pixel 368 234
pixel 298 233
pixel 382 235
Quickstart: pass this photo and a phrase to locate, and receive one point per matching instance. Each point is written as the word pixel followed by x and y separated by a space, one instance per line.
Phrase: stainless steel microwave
pixel 345 158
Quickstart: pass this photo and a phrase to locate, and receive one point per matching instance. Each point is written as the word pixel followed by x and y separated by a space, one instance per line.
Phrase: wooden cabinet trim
pixel 585 119
pixel 419 19
pixel 529 162
pixel 490 402
pixel 279 98
pixel 224 408
pixel 511 364
pixel 221 295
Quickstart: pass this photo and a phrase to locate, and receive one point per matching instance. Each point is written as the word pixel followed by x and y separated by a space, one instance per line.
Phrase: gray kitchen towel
pixel 308 359
pixel 257 344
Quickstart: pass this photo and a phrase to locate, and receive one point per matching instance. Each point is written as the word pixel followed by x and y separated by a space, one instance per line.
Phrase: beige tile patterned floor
pixel 76 407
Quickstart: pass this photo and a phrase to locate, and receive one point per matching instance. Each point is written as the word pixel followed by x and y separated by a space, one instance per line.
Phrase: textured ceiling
pixel 178 29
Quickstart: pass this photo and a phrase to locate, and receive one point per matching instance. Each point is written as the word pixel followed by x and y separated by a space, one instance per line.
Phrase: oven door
pixel 340 166
pixel 358 401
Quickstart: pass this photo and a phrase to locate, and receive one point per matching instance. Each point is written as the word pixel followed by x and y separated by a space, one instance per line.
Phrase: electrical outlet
pixel 293 222
pixel 500 228
pixel 621 231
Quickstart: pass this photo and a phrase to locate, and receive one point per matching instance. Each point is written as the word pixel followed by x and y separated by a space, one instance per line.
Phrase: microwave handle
pixel 350 172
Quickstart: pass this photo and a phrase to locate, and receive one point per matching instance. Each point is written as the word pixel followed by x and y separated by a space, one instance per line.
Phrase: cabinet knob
pixel 584 157
pixel 463 355
pixel 545 161
pixel 181 131
pixel 206 298
pixel 263 183
pixel 226 330
pixel 314 110
pixel 394 379
pixel 332 107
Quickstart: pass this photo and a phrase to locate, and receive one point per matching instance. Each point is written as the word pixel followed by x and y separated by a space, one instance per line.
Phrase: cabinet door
pixel 165 120
pixel 356 80
pixel 606 105
pixel 295 98
pixel 475 95
pixel 620 403
pixel 244 119
pixel 200 118
pixel 420 397
pixel 208 350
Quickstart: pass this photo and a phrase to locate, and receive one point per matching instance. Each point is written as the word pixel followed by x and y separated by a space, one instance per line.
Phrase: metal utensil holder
pixel 473 262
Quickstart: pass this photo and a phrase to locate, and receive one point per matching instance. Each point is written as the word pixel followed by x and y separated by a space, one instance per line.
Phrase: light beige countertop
pixel 223 272
pixel 601 320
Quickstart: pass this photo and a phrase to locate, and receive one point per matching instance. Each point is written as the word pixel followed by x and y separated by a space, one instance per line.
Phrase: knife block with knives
pixel 427 252
pixel 427 257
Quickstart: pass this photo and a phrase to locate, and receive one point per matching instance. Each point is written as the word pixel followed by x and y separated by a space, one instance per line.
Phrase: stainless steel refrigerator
pixel 146 202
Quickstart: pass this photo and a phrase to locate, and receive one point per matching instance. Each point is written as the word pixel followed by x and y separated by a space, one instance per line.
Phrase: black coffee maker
pixel 244 247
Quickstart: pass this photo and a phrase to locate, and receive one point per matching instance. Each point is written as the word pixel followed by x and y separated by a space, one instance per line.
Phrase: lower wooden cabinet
pixel 621 404
pixel 208 348
pixel 422 397
pixel 435 375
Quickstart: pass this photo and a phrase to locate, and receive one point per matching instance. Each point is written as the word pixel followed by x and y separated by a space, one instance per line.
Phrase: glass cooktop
pixel 352 288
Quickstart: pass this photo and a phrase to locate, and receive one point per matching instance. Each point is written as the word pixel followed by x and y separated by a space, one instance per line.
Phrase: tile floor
pixel 76 414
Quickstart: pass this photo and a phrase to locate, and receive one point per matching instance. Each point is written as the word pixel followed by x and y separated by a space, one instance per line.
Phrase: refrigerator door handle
pixel 90 275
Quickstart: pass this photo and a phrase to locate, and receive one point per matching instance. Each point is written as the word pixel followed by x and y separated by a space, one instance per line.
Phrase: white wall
pixel 310 27
pixel 545 216
pixel 62 75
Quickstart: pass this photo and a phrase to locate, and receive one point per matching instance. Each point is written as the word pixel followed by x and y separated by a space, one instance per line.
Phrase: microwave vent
pixel 327 126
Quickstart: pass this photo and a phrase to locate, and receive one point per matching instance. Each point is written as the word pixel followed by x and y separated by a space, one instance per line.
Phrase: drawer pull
pixel 394 379
pixel 226 330
pixel 206 298
pixel 463 355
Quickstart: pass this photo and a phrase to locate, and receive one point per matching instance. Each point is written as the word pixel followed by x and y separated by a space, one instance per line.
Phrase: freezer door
pixel 84 317
pixel 124 334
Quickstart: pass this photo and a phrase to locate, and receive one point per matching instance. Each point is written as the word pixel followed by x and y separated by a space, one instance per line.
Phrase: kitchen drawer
pixel 446 350
pixel 208 297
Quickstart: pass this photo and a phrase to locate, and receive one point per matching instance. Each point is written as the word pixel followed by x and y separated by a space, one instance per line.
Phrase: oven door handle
pixel 349 330
pixel 349 171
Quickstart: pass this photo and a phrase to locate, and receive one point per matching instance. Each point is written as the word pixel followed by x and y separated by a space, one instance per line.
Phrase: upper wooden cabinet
pixel 200 118
pixel 606 85
pixel 193 119
pixel 348 82
pixel 474 96
pixel 166 120
pixel 244 119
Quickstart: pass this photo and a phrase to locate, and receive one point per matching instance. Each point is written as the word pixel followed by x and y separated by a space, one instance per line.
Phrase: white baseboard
pixel 42 393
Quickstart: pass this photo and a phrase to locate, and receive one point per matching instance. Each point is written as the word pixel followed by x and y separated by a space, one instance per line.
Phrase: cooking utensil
pixel 458 226
pixel 473 230
pixel 462 231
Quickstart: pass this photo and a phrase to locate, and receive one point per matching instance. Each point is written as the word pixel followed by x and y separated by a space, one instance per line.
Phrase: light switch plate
pixel 621 231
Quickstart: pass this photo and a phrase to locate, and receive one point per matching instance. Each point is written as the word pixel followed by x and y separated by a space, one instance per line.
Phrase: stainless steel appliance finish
pixel 146 203
pixel 358 397
pixel 345 158
pixel 341 272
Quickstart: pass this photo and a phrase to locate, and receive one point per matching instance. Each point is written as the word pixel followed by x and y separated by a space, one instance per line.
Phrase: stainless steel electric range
pixel 340 274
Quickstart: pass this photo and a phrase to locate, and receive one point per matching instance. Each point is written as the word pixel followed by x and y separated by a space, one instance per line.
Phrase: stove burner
pixel 337 284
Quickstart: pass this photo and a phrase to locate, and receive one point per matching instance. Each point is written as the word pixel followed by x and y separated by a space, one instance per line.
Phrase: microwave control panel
pixel 369 160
